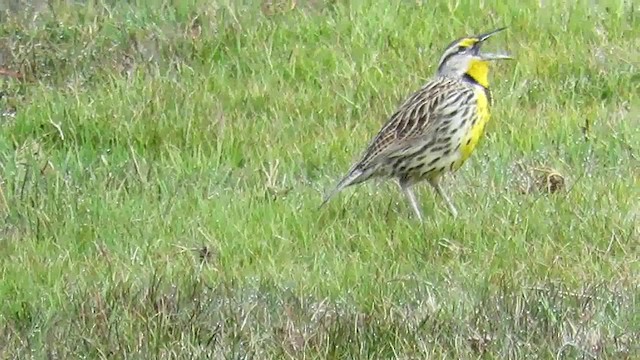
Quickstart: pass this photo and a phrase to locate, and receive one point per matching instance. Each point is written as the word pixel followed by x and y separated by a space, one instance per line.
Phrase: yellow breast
pixel 475 132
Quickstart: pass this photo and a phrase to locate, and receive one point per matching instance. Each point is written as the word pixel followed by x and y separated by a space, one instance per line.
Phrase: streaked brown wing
pixel 414 119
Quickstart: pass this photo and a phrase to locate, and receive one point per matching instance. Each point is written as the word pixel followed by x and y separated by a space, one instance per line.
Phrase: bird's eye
pixel 461 49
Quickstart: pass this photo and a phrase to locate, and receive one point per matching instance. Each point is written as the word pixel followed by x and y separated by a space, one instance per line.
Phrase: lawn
pixel 162 164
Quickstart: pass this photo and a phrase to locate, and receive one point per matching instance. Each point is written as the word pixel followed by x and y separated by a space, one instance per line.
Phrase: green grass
pixel 160 184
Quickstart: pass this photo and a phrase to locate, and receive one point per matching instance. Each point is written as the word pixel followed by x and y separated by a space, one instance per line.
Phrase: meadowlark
pixel 436 129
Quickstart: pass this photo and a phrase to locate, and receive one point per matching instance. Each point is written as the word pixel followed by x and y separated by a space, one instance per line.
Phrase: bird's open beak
pixel 490 56
pixel 495 56
pixel 485 36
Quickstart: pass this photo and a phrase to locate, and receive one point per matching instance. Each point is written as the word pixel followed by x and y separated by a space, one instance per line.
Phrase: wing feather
pixel 414 120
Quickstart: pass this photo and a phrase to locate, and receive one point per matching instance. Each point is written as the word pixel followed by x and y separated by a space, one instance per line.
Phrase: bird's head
pixel 463 58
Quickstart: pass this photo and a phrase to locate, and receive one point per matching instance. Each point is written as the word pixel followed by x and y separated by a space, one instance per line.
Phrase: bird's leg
pixel 436 185
pixel 408 191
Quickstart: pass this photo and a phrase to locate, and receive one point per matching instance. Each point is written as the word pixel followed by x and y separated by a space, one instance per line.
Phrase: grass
pixel 161 176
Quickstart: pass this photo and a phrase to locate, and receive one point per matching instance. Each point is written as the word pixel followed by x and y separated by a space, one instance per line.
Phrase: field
pixel 162 164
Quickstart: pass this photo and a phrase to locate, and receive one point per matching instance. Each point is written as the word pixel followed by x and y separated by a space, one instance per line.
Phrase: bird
pixel 436 128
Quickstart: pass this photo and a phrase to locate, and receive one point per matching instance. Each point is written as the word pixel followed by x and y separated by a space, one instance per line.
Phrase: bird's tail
pixel 354 176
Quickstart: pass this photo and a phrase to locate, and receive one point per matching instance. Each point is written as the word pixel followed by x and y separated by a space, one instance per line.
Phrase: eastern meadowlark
pixel 436 129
